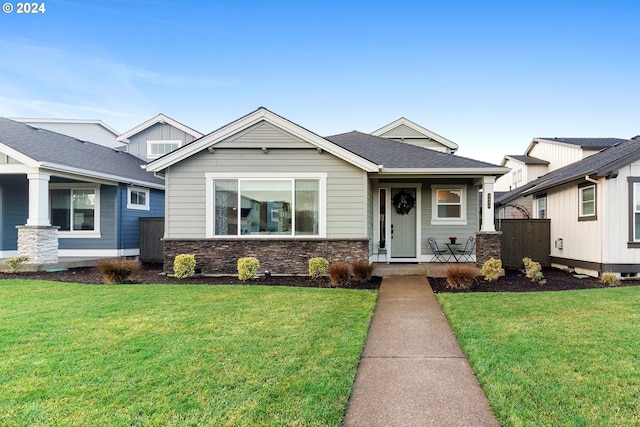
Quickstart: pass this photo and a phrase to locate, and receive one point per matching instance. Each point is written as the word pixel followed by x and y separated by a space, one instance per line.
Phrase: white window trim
pixel 581 200
pixel 152 142
pixel 538 199
pixel 81 234
pixel 463 205
pixel 144 207
pixel 635 185
pixel 322 208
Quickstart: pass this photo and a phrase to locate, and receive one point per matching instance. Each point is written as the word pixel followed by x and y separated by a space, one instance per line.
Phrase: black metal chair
pixel 439 253
pixel 468 250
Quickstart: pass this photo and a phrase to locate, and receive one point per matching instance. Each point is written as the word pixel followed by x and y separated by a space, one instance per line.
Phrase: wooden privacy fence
pixel 525 238
pixel 151 233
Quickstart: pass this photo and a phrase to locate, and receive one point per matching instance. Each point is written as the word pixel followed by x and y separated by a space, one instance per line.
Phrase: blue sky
pixel 489 75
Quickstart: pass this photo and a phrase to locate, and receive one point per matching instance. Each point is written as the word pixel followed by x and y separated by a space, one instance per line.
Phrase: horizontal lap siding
pixel 130 235
pixel 186 186
pixel 15 208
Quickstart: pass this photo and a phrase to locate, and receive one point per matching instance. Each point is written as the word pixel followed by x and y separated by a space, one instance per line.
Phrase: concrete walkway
pixel 413 372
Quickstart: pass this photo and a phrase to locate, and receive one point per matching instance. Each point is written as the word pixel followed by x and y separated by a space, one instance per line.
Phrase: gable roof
pixel 582 143
pixel 84 129
pixel 160 118
pixel 396 156
pixel 416 127
pixel 40 148
pixel 251 119
pixel 605 163
pixel 526 160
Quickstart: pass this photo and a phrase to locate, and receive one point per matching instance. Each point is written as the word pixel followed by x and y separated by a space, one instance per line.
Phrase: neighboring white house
pixel 95 131
pixel 543 155
pixel 594 209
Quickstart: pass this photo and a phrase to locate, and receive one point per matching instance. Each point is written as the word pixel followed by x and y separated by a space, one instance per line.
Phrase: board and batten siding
pixel 558 155
pixel 159 132
pixel 618 218
pixel 186 186
pixel 582 240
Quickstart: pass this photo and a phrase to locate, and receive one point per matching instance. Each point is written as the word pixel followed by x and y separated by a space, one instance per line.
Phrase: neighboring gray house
pixel 264 186
pixel 594 209
pixel 68 188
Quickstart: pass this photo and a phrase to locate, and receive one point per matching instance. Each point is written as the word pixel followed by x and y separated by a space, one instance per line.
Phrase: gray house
pixel 264 186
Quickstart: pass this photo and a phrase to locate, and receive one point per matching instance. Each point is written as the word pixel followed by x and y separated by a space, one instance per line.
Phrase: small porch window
pixel 75 210
pixel 449 205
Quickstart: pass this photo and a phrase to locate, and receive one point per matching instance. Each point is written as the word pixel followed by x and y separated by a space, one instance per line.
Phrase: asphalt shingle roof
pixel 603 163
pixel 395 154
pixel 527 160
pixel 56 149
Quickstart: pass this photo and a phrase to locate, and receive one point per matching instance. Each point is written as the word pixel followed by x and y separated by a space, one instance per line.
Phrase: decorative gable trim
pixel 261 114
pixel 160 118
pixel 416 127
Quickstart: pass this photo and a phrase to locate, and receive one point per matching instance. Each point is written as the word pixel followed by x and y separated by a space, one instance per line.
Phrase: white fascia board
pixel 71 121
pixel 84 174
pixel 447 171
pixel 426 132
pixel 160 118
pixel 17 155
pixel 257 116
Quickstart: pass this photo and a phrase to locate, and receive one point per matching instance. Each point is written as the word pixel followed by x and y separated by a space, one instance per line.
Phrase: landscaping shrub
pixel 248 268
pixel 609 279
pixel 534 271
pixel 460 276
pixel 117 270
pixel 339 274
pixel 318 267
pixel 184 265
pixel 491 269
pixel 15 263
pixel 362 270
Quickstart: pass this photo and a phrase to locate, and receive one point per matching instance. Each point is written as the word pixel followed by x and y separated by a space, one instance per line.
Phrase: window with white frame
pixel 541 207
pixel 449 204
pixel 75 209
pixel 138 198
pixel 159 148
pixel 270 205
pixel 588 202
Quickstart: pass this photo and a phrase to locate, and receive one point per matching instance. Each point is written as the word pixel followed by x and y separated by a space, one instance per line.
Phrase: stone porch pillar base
pixel 488 245
pixel 39 243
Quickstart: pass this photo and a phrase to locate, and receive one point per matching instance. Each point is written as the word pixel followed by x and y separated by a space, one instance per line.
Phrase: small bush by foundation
pixel 117 271
pixel 15 263
pixel 318 267
pixel 362 270
pixel 339 274
pixel 248 268
pixel 533 270
pixel 491 269
pixel 609 279
pixel 184 265
pixel 461 276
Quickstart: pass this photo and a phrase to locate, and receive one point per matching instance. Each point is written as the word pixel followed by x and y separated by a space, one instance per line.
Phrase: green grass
pixel 149 355
pixel 553 358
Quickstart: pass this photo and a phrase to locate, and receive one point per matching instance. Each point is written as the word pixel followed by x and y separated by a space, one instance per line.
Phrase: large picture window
pixel 74 210
pixel 588 202
pixel 266 206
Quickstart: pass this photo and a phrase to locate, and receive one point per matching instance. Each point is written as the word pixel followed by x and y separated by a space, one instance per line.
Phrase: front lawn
pixel 175 355
pixel 553 358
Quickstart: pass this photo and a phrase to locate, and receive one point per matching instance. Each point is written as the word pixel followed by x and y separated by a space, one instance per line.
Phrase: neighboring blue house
pixel 63 197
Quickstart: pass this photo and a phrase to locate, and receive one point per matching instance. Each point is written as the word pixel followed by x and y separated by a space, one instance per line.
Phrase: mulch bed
pixel 153 274
pixel 512 281
pixel 516 281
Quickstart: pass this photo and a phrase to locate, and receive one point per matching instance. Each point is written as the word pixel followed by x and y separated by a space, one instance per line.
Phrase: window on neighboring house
pixel 160 148
pixel 541 207
pixel 138 198
pixel 75 209
pixel 588 202
pixel 266 206
pixel 449 205
pixel 635 209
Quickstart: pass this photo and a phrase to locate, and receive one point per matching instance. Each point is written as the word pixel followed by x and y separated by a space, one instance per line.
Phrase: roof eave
pixel 492 171
pixel 160 118
pixel 98 175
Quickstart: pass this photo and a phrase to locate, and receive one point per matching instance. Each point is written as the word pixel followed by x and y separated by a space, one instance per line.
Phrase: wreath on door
pixel 403 202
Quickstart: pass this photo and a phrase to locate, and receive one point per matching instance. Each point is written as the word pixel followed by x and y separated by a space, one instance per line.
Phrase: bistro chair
pixel 439 253
pixel 468 250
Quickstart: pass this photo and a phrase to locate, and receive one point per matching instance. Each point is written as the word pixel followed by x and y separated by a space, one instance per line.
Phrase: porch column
pixel 38 199
pixel 488 222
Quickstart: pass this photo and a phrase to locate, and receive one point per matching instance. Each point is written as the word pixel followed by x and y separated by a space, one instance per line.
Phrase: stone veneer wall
pixel 39 243
pixel 488 246
pixel 279 256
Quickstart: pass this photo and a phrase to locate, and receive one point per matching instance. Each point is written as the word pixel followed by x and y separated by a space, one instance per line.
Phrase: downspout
pixel 588 178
